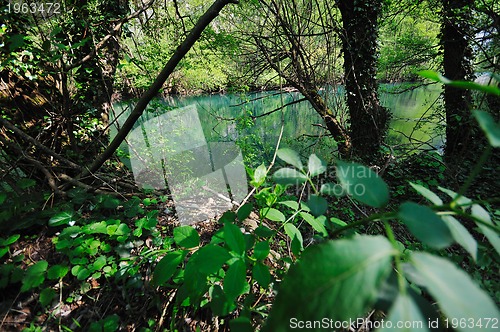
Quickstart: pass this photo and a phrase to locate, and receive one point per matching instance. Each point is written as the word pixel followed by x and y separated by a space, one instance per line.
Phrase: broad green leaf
pixel 62 218
pixel 264 232
pixel 209 259
pixel 430 74
pixel 426 225
pixel 296 237
pixel 259 176
pixel 220 304
pixel 167 266
pixel 25 183
pixel 260 273
pixel 337 279
pixel 457 295
pixel 56 272
pixel 315 223
pixel 461 235
pixel 479 212
pixel 489 126
pixel 432 197
pixel 333 189
pixel 315 166
pixel 34 276
pixel 3 197
pixel 405 311
pixel 241 324
pixel 10 240
pixel 261 250
pixel 272 214
pixel 317 205
pixel 46 296
pixel 338 222
pixel 291 204
pixel 286 176
pixel 234 238
pixel 186 237
pixel 235 279
pixel 463 201
pixel 99 263
pixel 291 157
pixel 363 184
pixel 244 211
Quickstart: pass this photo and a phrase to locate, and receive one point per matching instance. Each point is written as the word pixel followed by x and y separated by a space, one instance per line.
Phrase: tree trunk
pixel 457 56
pixel 368 119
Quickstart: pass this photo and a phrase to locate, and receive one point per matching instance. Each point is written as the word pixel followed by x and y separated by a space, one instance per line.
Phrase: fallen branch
pixel 37 144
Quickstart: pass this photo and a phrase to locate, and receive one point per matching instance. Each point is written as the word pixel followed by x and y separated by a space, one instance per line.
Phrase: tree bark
pixel 141 105
pixel 368 119
pixel 457 56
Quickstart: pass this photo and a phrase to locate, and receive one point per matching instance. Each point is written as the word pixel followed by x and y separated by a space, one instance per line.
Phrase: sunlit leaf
pixel 461 235
pixel 315 223
pixel 291 157
pixel 167 266
pixel 272 214
pixel 457 295
pixel 479 212
pixel 315 166
pixel 489 126
pixel 186 236
pixel 286 176
pixel 432 197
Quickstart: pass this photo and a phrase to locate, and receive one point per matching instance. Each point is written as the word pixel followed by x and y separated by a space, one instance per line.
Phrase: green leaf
pixel 167 266
pixel 286 176
pixel 34 276
pixel 244 211
pixel 432 197
pixel 220 304
pixel 426 225
pixel 291 204
pixel 10 240
pixel 80 272
pixel 315 166
pixel 235 279
pixel 480 213
pixel 56 272
pixel 489 126
pixel 406 311
pixel 46 296
pixel 315 223
pixel 3 197
pixel 296 237
pixel 272 214
pixel 62 218
pixel 363 184
pixel 25 183
pixel 99 263
pixel 317 205
pixel 459 84
pixel 209 259
pixel 338 222
pixel 291 157
pixel 457 295
pixel 332 189
pixel 463 201
pixel 337 279
pixel 261 250
pixel 234 239
pixel 260 273
pixel 186 237
pixel 264 232
pixel 259 176
pixel 461 235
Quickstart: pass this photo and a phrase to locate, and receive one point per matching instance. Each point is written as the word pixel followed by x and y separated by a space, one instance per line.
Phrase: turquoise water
pixel 235 118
